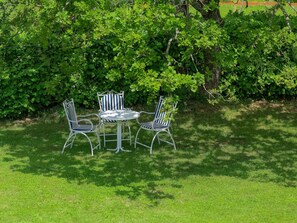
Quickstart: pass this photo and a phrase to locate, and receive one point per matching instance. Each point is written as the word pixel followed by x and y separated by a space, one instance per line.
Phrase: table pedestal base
pixel 119 139
pixel 116 150
pixel 119 116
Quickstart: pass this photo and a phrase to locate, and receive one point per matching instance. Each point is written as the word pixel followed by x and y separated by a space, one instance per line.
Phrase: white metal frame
pixel 109 97
pixel 160 124
pixel 79 125
pixel 120 117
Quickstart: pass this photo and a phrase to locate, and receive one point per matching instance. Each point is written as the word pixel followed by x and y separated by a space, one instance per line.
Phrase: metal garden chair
pixel 79 125
pixel 160 123
pixel 112 101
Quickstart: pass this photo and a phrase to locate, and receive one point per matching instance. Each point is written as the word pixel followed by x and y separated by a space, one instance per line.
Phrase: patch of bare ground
pixel 25 121
pixel 283 106
pixel 266 104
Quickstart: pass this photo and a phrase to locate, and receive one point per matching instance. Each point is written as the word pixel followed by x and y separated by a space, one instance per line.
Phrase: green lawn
pixel 234 163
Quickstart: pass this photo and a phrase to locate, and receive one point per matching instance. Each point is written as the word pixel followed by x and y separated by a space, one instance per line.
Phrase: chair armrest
pixel 143 113
pixel 86 121
pixel 148 113
pixel 88 115
pixel 91 115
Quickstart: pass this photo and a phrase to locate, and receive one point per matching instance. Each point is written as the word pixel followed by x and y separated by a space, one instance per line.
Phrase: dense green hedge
pixel 260 56
pixel 52 50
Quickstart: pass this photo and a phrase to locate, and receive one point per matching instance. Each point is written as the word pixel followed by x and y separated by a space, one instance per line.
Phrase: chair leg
pixel 72 141
pixel 154 138
pixel 129 129
pixel 91 145
pixel 151 148
pixel 71 136
pixel 136 137
pixel 99 135
pixel 173 142
pixel 127 124
pixel 98 138
pixel 158 139
pixel 104 137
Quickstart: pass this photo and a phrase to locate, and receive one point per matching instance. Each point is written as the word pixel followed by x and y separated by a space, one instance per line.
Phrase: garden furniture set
pixel 113 112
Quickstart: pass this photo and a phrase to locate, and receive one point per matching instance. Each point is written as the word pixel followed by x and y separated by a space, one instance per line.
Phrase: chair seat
pixel 85 128
pixel 153 125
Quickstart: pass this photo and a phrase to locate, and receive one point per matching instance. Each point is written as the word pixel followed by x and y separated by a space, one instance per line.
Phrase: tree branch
pixel 170 41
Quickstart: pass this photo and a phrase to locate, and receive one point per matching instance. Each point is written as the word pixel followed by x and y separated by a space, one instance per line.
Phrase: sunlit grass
pixel 225 9
pixel 234 163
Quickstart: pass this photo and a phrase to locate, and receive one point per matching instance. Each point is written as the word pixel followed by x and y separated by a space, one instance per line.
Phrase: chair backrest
pixel 70 112
pixel 164 112
pixel 111 100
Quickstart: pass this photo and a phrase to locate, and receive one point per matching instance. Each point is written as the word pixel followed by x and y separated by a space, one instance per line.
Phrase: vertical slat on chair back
pixel 70 112
pixel 162 116
pixel 111 101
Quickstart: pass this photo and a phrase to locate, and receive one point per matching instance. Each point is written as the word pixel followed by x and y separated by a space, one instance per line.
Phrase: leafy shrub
pixel 260 57
pixel 52 50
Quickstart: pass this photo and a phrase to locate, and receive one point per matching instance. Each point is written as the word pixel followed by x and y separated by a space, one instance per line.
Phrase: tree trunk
pixel 210 12
pixel 207 14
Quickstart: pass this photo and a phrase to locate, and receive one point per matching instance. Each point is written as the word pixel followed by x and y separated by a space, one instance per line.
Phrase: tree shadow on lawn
pixel 252 143
pixel 258 145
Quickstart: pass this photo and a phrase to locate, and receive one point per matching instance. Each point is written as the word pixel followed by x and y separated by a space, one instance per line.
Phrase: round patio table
pixel 119 116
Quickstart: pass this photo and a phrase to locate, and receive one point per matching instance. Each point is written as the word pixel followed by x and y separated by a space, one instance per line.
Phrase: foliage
pixel 52 50
pixel 74 49
pixel 260 57
pixel 169 108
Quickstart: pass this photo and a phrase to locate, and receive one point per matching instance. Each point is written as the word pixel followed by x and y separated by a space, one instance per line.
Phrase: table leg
pixel 119 138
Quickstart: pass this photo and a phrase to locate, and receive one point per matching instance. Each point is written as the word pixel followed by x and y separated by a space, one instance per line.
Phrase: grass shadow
pixel 257 144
